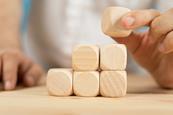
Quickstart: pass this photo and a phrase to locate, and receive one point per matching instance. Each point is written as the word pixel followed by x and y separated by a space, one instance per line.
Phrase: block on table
pixel 113 83
pixel 85 57
pixel 113 57
pixel 111 22
pixel 59 82
pixel 86 83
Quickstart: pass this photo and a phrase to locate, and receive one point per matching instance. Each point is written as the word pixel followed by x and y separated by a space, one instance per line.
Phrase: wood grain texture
pixel 85 57
pixel 111 22
pixel 113 83
pixel 59 82
pixel 144 97
pixel 113 57
pixel 86 83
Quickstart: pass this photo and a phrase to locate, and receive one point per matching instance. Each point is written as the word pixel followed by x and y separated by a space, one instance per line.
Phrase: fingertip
pixel 9 85
pixel 128 22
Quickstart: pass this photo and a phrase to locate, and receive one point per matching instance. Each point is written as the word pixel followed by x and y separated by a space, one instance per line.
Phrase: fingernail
pixel 8 85
pixel 161 48
pixel 129 21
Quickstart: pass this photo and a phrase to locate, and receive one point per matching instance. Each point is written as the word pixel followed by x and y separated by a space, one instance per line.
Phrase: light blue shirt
pixel 26 5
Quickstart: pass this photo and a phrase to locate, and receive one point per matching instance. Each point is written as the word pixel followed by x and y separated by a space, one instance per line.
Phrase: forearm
pixel 10 18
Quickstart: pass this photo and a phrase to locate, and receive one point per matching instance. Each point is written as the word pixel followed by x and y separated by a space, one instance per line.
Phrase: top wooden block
pixel 113 57
pixel 85 57
pixel 110 22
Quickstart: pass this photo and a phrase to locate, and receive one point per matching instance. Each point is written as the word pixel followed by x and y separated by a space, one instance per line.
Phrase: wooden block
pixel 59 82
pixel 113 57
pixel 113 83
pixel 85 57
pixel 110 22
pixel 86 83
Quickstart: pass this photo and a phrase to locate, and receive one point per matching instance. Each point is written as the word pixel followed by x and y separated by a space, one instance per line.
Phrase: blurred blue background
pixel 26 5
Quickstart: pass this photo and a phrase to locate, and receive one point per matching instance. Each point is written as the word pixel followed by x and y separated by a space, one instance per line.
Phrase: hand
pixel 16 67
pixel 152 49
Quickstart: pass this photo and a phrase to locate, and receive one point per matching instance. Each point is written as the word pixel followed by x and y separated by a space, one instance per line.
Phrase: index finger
pixel 10 70
pixel 139 18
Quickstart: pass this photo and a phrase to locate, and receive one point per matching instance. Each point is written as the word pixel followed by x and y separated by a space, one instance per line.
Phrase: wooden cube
pixel 113 57
pixel 85 57
pixel 111 22
pixel 59 82
pixel 86 83
pixel 113 83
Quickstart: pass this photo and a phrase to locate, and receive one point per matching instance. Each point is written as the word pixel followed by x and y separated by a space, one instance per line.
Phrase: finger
pixel 24 66
pixel 167 45
pixel 33 75
pixel 139 18
pixel 133 41
pixel 10 70
pixel 0 68
pixel 161 26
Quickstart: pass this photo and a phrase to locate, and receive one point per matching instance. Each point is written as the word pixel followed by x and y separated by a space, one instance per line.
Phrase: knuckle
pixel 16 54
pixel 38 68
pixel 12 54
pixel 6 55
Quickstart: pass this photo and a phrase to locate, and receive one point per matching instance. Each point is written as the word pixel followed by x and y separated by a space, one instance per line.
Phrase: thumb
pixel 138 18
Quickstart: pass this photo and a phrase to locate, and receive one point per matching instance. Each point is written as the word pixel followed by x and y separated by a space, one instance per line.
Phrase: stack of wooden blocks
pixel 95 71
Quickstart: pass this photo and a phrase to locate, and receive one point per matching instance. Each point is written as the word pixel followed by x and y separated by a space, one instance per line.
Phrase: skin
pixel 153 48
pixel 14 65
